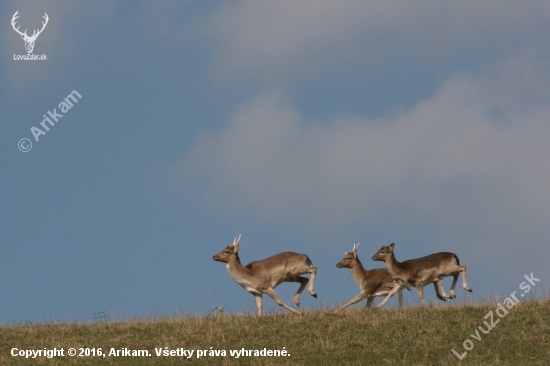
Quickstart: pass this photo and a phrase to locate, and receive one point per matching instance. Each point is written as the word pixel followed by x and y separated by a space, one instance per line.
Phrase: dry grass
pixel 413 336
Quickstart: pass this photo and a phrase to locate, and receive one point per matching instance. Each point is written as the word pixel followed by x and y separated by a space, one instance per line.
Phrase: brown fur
pixel 422 271
pixel 372 283
pixel 263 276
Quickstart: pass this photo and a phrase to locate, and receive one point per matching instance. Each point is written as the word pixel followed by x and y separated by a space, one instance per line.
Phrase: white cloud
pixel 271 39
pixel 471 162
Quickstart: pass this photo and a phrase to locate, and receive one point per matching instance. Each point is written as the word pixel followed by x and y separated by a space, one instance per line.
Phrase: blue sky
pixel 306 126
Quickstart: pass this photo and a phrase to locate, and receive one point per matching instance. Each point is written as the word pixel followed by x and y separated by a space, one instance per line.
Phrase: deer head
pixel 29 41
pixel 225 254
pixel 349 258
pixel 384 254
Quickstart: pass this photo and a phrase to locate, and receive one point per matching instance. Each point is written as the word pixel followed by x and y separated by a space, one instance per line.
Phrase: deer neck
pixel 234 263
pixel 393 266
pixel 236 270
pixel 357 272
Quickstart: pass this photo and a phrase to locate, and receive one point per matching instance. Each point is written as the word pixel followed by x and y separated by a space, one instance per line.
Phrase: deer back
pixel 280 267
pixel 440 264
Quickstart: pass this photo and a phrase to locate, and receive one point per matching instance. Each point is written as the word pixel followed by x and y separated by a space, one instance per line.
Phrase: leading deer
pixel 376 282
pixel 261 277
pixel 421 272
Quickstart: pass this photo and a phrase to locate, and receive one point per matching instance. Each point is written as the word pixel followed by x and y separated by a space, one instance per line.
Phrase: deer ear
pixel 381 246
pixel 237 247
pixel 391 246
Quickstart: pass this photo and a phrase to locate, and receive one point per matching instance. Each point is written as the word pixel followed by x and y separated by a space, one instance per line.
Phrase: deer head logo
pixel 29 41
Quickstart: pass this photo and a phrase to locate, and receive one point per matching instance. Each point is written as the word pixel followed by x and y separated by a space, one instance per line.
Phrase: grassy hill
pixel 413 336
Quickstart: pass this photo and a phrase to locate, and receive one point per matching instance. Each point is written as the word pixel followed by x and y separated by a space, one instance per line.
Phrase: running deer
pixel 421 272
pixel 261 277
pixel 376 282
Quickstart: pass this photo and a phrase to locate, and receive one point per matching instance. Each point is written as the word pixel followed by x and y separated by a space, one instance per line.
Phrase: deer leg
pixel 395 288
pixel 303 282
pixel 440 290
pixel 437 292
pixel 455 278
pixel 356 299
pixel 279 302
pixel 370 300
pixel 259 302
pixel 312 271
pixel 420 290
pixel 464 285
pixel 400 299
